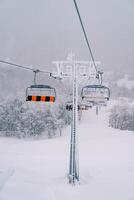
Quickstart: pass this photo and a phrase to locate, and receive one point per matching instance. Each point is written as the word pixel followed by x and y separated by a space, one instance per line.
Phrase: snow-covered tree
pixel 122 117
pixel 21 120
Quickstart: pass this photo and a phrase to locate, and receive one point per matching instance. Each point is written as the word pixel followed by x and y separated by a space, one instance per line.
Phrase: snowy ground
pixel 36 170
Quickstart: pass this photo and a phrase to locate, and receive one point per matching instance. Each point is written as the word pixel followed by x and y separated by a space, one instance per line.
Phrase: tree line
pixel 18 119
pixel 122 117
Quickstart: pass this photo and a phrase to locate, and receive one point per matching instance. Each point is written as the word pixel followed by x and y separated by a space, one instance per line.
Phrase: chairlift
pixel 39 92
pixel 44 93
pixel 95 95
pixel 69 106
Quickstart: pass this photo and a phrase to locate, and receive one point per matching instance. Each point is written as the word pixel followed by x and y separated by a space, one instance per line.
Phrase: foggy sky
pixel 36 32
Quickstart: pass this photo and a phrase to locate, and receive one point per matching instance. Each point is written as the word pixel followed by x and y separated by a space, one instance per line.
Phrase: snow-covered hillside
pixel 37 169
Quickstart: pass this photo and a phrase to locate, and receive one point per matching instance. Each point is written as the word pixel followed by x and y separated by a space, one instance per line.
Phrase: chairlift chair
pixel 95 95
pixel 69 105
pixel 42 93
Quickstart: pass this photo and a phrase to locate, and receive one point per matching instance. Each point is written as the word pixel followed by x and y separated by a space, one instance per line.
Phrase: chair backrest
pixel 43 93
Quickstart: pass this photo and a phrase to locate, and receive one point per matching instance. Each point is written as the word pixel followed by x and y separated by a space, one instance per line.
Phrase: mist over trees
pixel 30 35
pixel 38 32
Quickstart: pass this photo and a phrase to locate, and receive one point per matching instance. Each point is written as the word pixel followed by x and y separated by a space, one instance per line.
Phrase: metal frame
pixel 41 86
pixel 74 73
pixel 96 86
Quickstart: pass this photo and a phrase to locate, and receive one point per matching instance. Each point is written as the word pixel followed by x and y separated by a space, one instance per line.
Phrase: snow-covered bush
pixel 63 117
pixel 20 120
pixel 11 117
pixel 122 117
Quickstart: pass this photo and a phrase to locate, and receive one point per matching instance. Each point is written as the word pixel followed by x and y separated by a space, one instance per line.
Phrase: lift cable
pixel 85 35
pixel 25 67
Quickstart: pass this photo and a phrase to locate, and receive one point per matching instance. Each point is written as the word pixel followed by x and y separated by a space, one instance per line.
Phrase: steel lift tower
pixel 74 70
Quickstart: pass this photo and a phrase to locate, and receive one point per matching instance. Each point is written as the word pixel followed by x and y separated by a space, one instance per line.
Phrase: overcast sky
pixel 39 31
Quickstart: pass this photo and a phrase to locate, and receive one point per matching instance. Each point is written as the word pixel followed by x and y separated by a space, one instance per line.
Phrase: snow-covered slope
pixel 40 167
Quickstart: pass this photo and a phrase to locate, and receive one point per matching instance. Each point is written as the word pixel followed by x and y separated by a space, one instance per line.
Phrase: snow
pixel 4 176
pixel 38 168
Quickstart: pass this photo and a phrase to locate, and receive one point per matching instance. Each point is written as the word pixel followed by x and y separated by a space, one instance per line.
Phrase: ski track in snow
pixel 4 176
pixel 41 167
